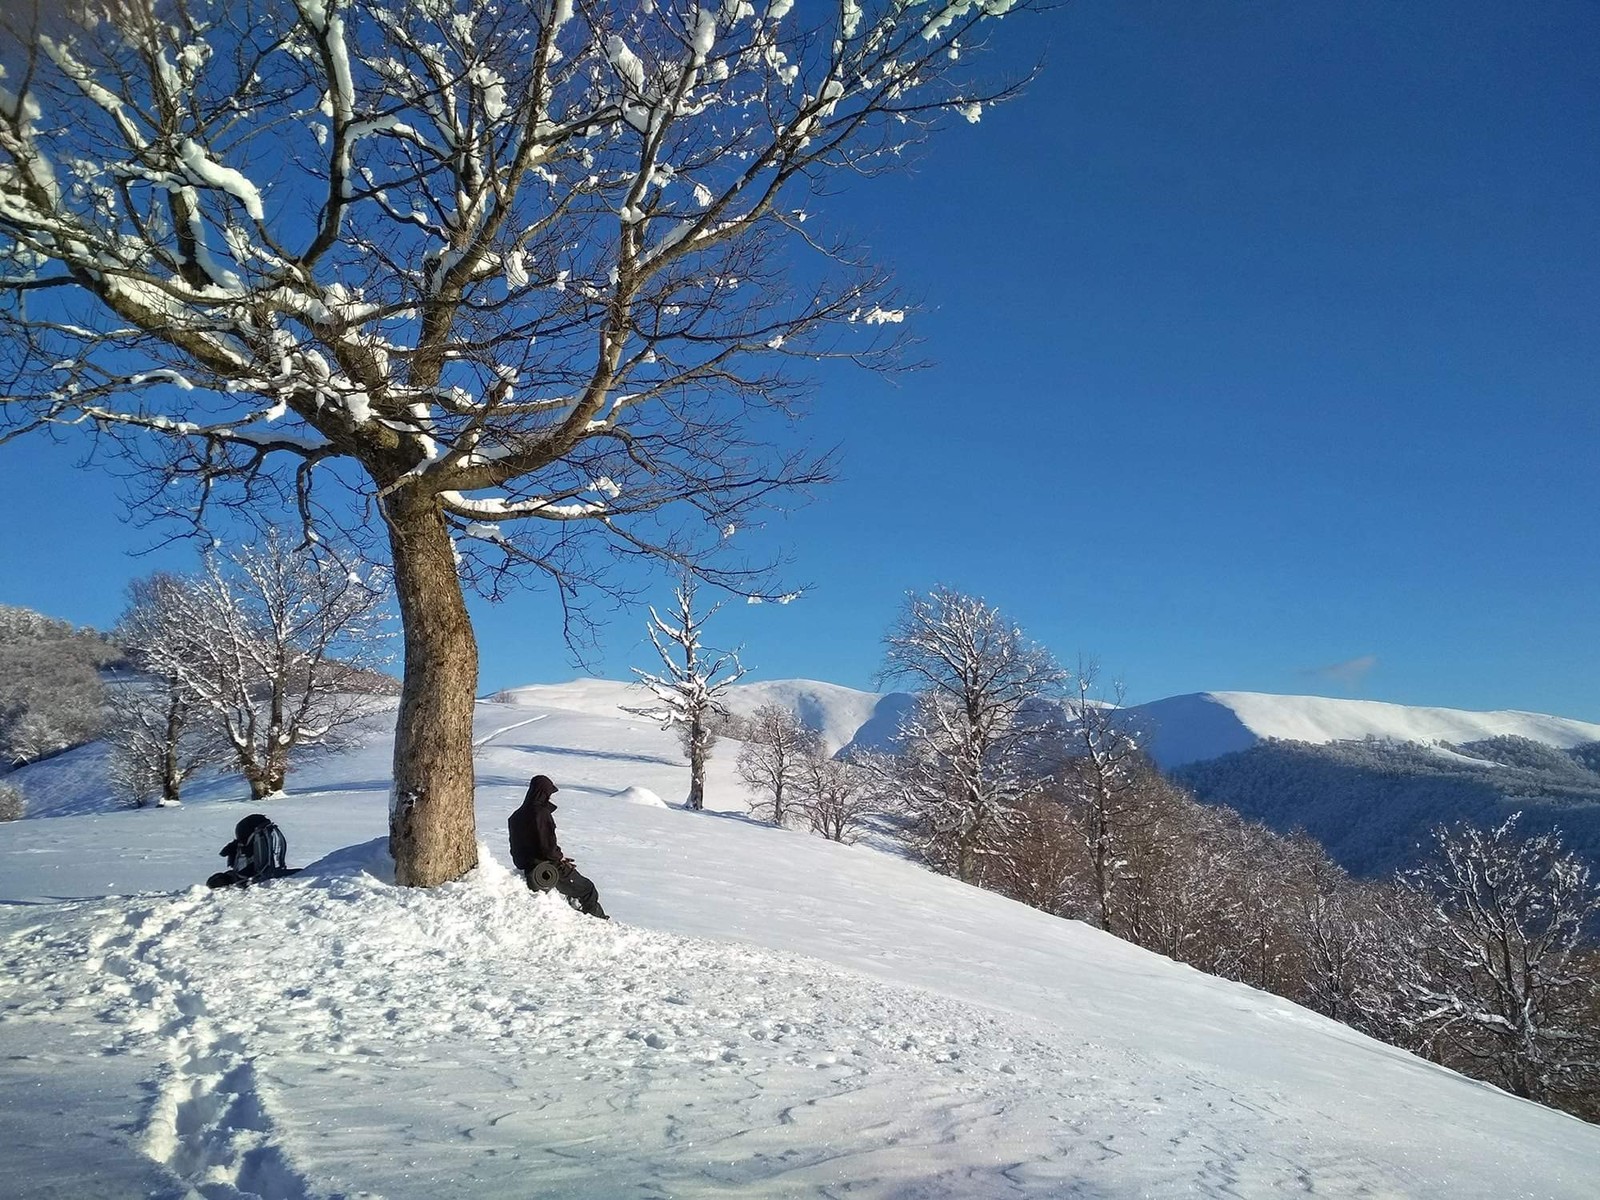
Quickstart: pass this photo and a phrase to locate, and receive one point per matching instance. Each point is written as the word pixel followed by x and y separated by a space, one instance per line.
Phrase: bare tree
pixel 145 728
pixel 1102 776
pixel 262 644
pixel 1164 888
pixel 526 281
pixel 964 745
pixel 690 691
pixel 1496 974
pixel 773 760
pixel 1042 861
pixel 836 796
pixel 1335 922
pixel 157 737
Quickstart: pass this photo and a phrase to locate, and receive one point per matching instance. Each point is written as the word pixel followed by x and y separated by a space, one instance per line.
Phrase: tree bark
pixel 171 778
pixel 697 766
pixel 1102 857
pixel 432 832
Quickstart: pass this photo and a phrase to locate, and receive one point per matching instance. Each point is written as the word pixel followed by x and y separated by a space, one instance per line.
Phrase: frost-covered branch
pixel 461 249
pixel 964 746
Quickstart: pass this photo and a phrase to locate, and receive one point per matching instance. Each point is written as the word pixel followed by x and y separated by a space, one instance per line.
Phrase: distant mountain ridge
pixel 1367 779
pixel 1174 731
pixel 1204 725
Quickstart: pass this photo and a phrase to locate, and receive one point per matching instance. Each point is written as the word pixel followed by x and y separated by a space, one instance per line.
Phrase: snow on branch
pixel 464 255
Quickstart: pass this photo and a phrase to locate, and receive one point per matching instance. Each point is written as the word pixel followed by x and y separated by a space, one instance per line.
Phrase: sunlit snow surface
pixel 769 1015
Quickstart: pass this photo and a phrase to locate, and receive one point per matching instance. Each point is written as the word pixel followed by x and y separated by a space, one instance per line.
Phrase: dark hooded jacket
pixel 533 827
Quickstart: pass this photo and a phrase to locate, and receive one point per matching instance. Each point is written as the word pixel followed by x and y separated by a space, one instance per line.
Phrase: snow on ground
pixel 1184 729
pixel 68 784
pixel 769 1014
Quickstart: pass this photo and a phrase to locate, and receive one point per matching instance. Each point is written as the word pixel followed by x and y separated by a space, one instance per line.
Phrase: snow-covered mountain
pixel 1370 780
pixel 770 1014
pixel 1186 729
pixel 1183 729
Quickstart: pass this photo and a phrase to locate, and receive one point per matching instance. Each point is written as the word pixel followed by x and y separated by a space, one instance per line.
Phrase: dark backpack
pixel 258 849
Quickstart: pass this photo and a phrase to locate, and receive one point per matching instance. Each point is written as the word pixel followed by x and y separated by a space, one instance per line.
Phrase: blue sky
pixel 1265 340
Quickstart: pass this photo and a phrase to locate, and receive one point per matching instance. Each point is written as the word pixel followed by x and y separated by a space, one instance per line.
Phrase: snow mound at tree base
pixel 640 795
pixel 364 858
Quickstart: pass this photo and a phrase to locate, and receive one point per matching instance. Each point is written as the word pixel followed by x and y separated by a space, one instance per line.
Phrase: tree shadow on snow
pixel 572 752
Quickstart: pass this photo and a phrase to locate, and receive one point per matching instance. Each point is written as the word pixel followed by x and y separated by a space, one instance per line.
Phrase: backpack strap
pixel 277 848
pixel 264 852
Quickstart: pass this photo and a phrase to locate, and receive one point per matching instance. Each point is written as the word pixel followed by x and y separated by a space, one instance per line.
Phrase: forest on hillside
pixel 1372 802
pixel 51 695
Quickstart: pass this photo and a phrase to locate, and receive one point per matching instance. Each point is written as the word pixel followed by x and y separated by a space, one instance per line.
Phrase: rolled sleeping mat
pixel 544 875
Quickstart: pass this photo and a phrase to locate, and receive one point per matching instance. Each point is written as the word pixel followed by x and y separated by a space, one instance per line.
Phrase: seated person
pixel 533 840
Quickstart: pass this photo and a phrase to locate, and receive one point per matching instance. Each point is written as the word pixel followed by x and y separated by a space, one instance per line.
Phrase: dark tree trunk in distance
pixel 697 765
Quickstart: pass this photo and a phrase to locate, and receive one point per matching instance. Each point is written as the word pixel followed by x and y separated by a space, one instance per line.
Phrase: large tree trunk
pixel 432 834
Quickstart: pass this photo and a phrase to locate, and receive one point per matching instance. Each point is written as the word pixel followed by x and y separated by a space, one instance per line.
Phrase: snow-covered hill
pixel 1185 729
pixel 770 1014
pixel 843 716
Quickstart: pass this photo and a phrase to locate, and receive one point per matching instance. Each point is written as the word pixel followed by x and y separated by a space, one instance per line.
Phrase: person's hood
pixel 540 789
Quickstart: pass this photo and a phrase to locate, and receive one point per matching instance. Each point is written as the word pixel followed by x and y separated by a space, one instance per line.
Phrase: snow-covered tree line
pixel 1013 774
pixel 262 651
pixel 502 287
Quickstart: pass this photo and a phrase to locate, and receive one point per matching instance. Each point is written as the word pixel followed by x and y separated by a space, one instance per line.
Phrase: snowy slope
pixel 843 716
pixel 1184 729
pixel 598 697
pixel 769 1015
pixel 840 714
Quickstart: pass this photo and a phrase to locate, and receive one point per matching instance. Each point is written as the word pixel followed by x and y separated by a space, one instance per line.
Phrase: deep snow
pixel 769 1015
